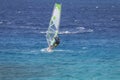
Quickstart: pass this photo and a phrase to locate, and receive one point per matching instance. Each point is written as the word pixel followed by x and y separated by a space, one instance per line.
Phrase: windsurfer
pixel 54 44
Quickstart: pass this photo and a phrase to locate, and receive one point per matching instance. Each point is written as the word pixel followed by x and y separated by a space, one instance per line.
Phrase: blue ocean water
pixel 89 33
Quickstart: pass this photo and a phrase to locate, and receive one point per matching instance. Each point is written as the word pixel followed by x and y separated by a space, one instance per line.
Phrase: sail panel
pixel 54 24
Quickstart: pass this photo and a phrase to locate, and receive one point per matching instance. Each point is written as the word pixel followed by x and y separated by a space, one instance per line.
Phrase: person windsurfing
pixel 54 44
pixel 53 29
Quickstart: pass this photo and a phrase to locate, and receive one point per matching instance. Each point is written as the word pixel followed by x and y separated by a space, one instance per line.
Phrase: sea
pixel 89 46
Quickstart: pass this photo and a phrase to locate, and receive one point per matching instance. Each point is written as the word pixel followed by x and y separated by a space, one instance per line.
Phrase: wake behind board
pixel 45 50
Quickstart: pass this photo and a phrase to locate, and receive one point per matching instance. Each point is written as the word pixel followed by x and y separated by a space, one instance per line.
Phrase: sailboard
pixel 54 24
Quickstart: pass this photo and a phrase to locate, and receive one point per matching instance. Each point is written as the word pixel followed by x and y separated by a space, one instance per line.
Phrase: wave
pixel 44 50
pixel 83 50
pixel 62 50
pixel 43 32
pixel 75 31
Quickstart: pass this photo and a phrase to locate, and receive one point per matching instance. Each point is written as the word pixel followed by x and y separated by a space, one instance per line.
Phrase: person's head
pixel 57 39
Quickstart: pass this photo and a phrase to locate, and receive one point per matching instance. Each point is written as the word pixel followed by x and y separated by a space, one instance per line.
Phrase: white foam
pixel 80 28
pixel 18 12
pixel 113 6
pixel 74 31
pixel 44 50
pixel 83 29
pixel 84 47
pixel 65 32
pixel 97 7
pixel 76 20
pixel 1 22
pixel 43 32
pixel 71 32
pixel 62 50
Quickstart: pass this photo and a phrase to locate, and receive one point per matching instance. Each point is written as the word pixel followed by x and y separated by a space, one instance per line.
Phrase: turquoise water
pixel 89 33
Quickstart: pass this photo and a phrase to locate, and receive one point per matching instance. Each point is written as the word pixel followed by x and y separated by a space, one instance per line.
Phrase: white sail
pixel 53 28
